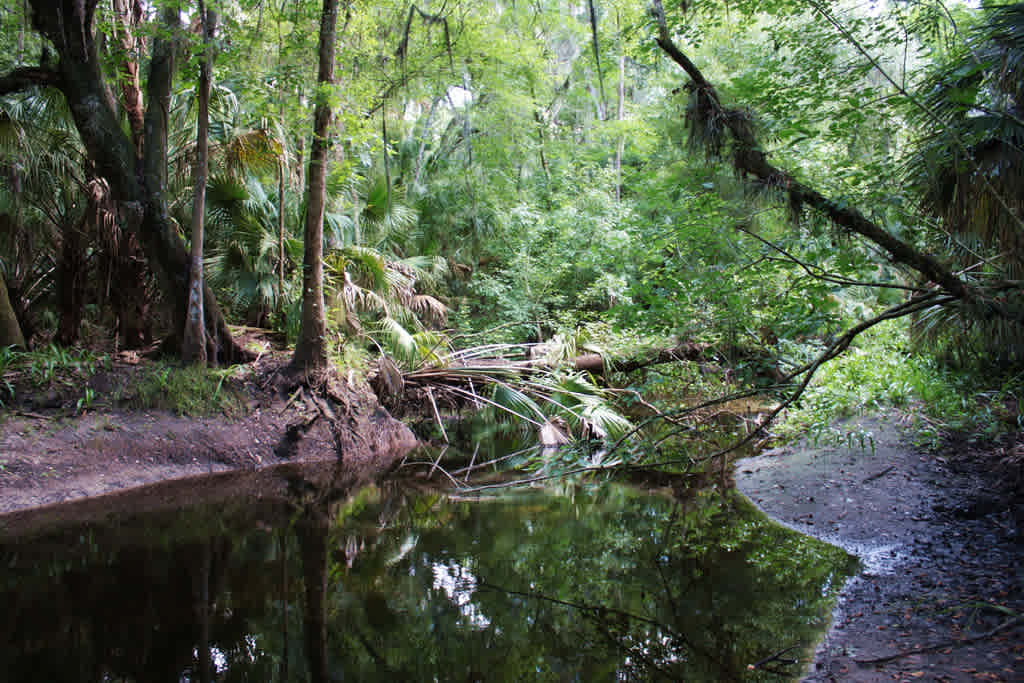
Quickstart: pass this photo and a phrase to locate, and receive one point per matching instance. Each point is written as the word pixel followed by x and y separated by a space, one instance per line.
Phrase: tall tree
pixel 131 299
pixel 193 345
pixel 311 348
pixel 69 26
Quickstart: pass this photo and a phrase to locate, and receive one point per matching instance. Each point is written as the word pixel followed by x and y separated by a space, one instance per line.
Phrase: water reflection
pixel 601 583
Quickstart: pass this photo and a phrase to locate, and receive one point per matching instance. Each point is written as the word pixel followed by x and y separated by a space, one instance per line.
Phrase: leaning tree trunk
pixel 311 348
pixel 68 25
pixel 1002 299
pixel 10 330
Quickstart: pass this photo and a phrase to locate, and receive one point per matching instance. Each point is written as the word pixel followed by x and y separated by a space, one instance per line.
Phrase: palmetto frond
pixel 242 223
pixel 971 166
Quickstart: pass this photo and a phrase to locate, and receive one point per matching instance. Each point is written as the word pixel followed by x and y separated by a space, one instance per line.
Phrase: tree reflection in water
pixel 591 583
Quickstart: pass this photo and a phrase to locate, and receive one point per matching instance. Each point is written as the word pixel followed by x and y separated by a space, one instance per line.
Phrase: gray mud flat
pixel 942 577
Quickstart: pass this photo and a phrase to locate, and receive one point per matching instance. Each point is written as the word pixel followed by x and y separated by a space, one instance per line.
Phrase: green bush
pixel 881 373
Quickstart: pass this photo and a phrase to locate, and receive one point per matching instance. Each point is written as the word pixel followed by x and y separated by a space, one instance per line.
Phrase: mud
pixel 940 595
pixel 48 458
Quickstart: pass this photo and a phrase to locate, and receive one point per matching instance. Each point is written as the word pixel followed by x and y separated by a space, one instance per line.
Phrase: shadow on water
pixel 582 583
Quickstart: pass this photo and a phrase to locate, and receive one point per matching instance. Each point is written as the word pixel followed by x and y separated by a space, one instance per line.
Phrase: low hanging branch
pixel 915 304
pixel 713 119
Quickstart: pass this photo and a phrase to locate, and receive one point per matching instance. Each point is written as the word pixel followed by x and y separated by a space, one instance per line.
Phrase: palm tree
pixel 969 166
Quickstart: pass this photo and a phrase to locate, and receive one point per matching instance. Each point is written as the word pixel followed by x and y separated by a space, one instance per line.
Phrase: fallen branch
pixel 914 305
pixel 777 657
pixel 879 475
pixel 957 642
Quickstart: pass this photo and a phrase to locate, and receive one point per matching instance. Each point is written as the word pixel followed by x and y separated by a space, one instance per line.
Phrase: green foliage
pixel 193 391
pixel 479 169
pixel 883 372
pixel 55 364
pixel 8 356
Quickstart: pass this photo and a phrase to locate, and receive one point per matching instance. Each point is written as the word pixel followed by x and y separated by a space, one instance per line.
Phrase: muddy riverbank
pixel 942 583
pixel 53 455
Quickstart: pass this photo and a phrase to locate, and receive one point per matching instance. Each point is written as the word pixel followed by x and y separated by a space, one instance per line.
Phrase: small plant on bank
pixel 85 402
pixel 7 358
pixel 53 363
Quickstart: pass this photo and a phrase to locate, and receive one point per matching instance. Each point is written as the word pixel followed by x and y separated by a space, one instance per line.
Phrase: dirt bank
pixel 50 456
pixel 937 534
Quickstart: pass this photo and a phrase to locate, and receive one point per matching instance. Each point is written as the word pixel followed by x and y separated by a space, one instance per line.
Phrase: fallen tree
pixel 728 129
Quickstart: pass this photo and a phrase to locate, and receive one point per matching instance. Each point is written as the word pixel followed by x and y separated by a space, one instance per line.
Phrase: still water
pixel 582 583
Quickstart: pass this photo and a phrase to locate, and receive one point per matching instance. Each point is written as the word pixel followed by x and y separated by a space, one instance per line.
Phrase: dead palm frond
pixel 497 380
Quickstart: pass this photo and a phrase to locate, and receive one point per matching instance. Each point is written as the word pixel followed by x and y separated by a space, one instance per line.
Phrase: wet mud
pixel 940 593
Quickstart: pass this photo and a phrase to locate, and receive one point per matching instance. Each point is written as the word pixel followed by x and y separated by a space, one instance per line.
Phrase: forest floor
pixel 52 451
pixel 940 536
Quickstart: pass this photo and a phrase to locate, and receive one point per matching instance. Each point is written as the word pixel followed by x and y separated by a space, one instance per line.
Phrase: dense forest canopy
pixel 752 175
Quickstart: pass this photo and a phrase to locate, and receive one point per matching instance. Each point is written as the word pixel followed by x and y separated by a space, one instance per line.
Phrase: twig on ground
pixel 958 642
pixel 879 475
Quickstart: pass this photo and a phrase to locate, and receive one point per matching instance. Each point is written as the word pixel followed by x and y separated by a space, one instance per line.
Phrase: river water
pixel 575 583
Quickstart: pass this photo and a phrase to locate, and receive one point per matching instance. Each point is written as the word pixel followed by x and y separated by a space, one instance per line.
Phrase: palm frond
pixel 399 341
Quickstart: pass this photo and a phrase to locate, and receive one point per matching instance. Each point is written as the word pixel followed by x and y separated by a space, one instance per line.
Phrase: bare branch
pixel 820 273
pixel 27 77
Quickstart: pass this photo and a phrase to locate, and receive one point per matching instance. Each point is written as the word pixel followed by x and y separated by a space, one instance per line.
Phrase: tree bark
pixel 131 298
pixel 194 340
pixel 68 25
pixel 71 280
pixel 311 348
pixel 10 330
pixel 128 14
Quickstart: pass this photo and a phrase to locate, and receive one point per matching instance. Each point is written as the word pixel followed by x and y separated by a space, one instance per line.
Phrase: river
pixel 578 582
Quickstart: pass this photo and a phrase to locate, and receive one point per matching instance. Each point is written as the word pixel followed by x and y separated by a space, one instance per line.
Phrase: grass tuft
pixel 193 391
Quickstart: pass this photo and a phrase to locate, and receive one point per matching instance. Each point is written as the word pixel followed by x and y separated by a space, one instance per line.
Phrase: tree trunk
pixel 311 348
pixel 312 529
pixel 602 108
pixel 68 24
pixel 128 14
pixel 193 344
pixel 620 115
pixel 71 281
pixel 10 330
pixel 131 298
